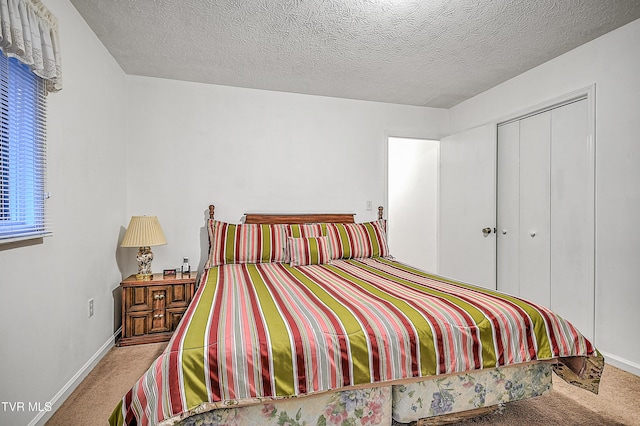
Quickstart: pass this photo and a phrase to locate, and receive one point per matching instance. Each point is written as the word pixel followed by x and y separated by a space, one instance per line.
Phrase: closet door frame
pixel 587 93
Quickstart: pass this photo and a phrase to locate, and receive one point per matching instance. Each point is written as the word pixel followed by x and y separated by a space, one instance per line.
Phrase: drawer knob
pixel 158 315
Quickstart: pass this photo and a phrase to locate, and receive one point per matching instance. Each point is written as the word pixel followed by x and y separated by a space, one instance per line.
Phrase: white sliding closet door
pixel 508 209
pixel 535 217
pixel 545 212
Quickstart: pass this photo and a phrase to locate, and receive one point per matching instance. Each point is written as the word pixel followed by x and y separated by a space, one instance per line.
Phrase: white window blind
pixel 22 152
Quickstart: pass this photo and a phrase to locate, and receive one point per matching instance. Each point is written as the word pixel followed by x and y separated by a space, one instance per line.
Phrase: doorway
pixel 412 201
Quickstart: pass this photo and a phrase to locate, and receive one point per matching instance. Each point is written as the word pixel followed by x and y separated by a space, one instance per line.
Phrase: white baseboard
pixel 73 383
pixel 621 363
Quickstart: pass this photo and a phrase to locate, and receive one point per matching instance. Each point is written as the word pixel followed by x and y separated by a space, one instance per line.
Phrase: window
pixel 22 152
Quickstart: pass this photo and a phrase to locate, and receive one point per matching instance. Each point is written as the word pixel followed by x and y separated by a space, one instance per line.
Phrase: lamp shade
pixel 143 231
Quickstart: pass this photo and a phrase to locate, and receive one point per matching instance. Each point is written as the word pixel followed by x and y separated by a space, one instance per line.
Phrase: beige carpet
pixel 93 401
pixel 617 404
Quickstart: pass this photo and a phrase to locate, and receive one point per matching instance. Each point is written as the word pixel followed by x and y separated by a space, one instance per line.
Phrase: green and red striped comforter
pixel 256 332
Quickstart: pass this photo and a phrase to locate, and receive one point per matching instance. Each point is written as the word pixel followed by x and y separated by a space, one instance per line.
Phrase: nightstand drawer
pixel 146 298
pixel 137 324
pixel 179 295
pixel 159 323
pixel 146 322
pixel 137 298
pixel 174 316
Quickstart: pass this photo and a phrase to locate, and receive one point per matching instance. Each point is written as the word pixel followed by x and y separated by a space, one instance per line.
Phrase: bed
pixel 308 320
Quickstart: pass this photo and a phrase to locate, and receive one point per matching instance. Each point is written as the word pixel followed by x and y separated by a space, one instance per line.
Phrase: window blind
pixel 22 153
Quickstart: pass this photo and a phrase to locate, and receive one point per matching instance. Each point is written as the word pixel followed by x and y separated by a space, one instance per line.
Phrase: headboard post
pixel 380 209
pixel 211 210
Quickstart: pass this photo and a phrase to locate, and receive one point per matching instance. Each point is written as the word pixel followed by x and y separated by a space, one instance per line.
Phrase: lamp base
pixel 145 256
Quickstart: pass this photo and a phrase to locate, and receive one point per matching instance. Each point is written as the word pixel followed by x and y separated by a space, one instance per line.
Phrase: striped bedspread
pixel 256 332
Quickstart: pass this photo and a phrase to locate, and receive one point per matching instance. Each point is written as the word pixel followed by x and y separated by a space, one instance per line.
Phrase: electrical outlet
pixel 369 206
pixel 90 308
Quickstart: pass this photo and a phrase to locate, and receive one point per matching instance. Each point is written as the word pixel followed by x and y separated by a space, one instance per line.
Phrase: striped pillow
pixel 246 243
pixel 309 251
pixel 307 230
pixel 357 240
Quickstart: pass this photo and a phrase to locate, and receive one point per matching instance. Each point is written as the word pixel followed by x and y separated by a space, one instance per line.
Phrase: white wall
pixel 612 63
pixel 46 336
pixel 249 150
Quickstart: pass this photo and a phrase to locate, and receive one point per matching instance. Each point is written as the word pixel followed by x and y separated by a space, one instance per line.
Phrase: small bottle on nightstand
pixel 185 266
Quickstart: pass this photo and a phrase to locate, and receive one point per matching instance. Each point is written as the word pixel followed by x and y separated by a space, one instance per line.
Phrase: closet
pixel 545 211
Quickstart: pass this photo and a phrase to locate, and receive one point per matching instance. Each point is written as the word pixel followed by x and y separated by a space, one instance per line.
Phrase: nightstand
pixel 151 310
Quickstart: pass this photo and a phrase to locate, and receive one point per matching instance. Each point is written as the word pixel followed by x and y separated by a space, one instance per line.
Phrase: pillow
pixel 307 230
pixel 309 251
pixel 357 240
pixel 246 243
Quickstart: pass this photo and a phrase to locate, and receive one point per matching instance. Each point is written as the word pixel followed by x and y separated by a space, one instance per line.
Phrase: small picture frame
pixel 168 272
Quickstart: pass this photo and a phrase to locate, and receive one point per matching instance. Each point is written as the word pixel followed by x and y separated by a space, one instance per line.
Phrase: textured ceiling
pixel 434 53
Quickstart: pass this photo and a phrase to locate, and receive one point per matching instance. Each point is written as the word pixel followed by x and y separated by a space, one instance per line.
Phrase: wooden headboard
pixel 298 218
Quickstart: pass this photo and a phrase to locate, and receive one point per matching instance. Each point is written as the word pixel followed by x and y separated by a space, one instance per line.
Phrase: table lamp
pixel 144 232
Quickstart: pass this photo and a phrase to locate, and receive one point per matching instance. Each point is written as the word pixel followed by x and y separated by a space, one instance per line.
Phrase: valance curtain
pixel 29 32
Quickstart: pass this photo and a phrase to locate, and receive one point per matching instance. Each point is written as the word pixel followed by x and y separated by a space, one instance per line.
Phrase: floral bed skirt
pixel 403 403
pixel 370 406
pixel 461 392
